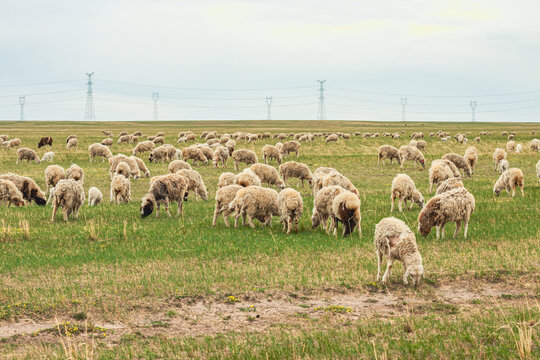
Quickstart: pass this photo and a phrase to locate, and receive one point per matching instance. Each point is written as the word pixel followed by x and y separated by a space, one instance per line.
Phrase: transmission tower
pixel 22 101
pixel 473 108
pixel 89 114
pixel 269 108
pixel 155 97
pixel 403 104
pixel 321 110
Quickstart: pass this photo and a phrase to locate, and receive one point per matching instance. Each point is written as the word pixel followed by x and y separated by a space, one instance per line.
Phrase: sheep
pixel 335 178
pixel 408 152
pixel 53 174
pixel 133 139
pixel 122 133
pixel 449 184
pixel 72 143
pixel 190 137
pixel 477 139
pixel 387 152
pixel 290 208
pixel 120 190
pixel 503 165
pixel 167 188
pixel 48 156
pixel 98 149
pixel 291 147
pixel 246 156
pixel 441 170
pixel 421 145
pixel 293 169
pixel 508 181
pixel 195 183
pixel 455 205
pixel 318 176
pixel 75 172
pixel 123 169
pixel 13 143
pixel 123 139
pixel 498 155
pixel 403 189
pixel 253 137
pixel 68 194
pixel 206 150
pixel 107 142
pixel 160 133
pixel 322 206
pixel 221 154
pixel 225 179
pixel 395 239
pixel 471 155
pixel 176 165
pixel 511 146
pixel 4 137
pixel 27 154
pixel 94 196
pixel 247 178
pixel 10 194
pixel 519 147
pixel 534 145
pixel 27 187
pixel 255 202
pixel 159 140
pixel 230 145
pixel 279 146
pixel 44 141
pixel 271 152
pixel 135 172
pixel 224 196
pixel 141 165
pixel 143 146
pixel 460 162
pixel 213 142
pixel 538 170
pixel 346 209
pixel 194 154
pixel 107 133
pixel 268 175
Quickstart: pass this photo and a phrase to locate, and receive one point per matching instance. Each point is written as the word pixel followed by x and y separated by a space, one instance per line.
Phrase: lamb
pixel 120 190
pixel 271 152
pixel 394 239
pixel 449 184
pixel 460 162
pixel 225 179
pixel 508 181
pixel 498 155
pixel 332 137
pixel 279 146
pixel 27 154
pixel 268 175
pixel 143 146
pixel 27 187
pixel 403 189
pixel 123 139
pixel 10 194
pixel 246 156
pixel 335 178
pixel 75 172
pixel 176 165
pixel 408 152
pixel 123 169
pixel 72 143
pixel 538 170
pixel 194 154
pixel 107 142
pixel 503 165
pixel 511 146
pixel 318 176
pixel 471 155
pixel 346 209
pixel 221 154
pixel 322 206
pixel 48 156
pixel 53 174
pixel 291 147
pixel 290 208
pixel 13 143
pixel 255 202
pixel 224 196
pixel 98 149
pixel 68 194
pixel 44 141
pixel 94 196
pixel 519 147
pixel 141 165
pixel 534 145
pixel 293 169
pixel 452 206
pixel 247 178
pixel 167 188
pixel 441 170
pixel 195 183
pixel 135 172
pixel 387 152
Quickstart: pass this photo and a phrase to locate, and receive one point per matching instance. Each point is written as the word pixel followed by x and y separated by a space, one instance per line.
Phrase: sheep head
pixel 147 206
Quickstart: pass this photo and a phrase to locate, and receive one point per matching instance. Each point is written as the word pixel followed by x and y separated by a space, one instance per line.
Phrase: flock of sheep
pixel 242 194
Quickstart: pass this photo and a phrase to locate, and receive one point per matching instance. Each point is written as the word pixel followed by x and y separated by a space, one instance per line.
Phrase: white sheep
pixel 27 154
pixel 195 183
pixel 120 190
pixel 335 178
pixel 53 174
pixel 48 156
pixel 255 202
pixel 224 196
pixel 449 184
pixel 408 152
pixel 141 165
pixel 221 154
pixel 94 196
pixel 143 146
pixel 247 178
pixel 403 189
pixel 387 152
pixel 98 149
pixel 346 209
pixel 72 143
pixel 322 206
pixel 293 169
pixel 290 208
pixel 271 152
pixel 75 172
pixel 290 147
pixel 246 156
pixel 498 155
pixel 471 156
pixel 441 170
pixel 163 190
pixel 225 179
pixel 459 161
pixel 10 194
pixel 68 194
pixel 509 180
pixel 176 165
pixel 318 176
pixel 268 175
pixel 503 165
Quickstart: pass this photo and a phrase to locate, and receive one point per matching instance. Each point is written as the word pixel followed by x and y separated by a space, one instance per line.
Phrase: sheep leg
pixel 400 205
pixel 284 222
pixel 379 255
pixel 290 225
pixel 388 269
pixel 167 207
pixel 412 203
pixel 405 276
pixel 522 193
pixel 335 224
pixel 466 227
pixel 392 199
pixel 458 227
pixel 438 228
pixel 65 213
pixel 442 231
pixel 180 203
pixel 250 222
pixel 430 186
pixel 236 216
pixel 157 209
pixel 379 160
pixel 216 214
pixel 55 208
pixel 236 165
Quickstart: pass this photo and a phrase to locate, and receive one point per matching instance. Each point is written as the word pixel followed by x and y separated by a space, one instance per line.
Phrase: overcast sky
pixel 220 59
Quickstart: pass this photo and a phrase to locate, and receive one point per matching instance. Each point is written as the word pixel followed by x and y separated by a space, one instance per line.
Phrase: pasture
pixel 178 288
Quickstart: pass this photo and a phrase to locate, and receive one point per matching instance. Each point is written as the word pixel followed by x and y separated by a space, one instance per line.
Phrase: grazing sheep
pixel 48 156
pixel 246 156
pixel 346 209
pixel 70 137
pixel 27 154
pixel 224 196
pixel 141 165
pixel 387 152
pixel 519 147
pixel 255 202
pixel 165 189
pixel 332 137
pixel 13 143
pixel 221 154
pixel 123 169
pixel 290 147
pixel 335 178
pixel 98 149
pixel 206 150
pixel 471 156
pixel 290 208
pixel 10 194
pixel 460 162
pixel 72 143
pixel 230 145
pixel 449 184
pixel 271 152
pixel 122 133
pixel 143 146
pixel 176 165
pixel 53 174
pixel 195 183
pixel 394 239
pixel 123 139
pixel 120 190
pixel 408 152
pixel 194 154
pixel 318 176
pixel 322 206
pixel 441 170
pixel 477 139
pixel 133 139
pixel 509 180
pixel 421 145
pixel 293 169
pixel 160 133
pixel 44 141
pixel 27 187
pixel 162 153
pixel 503 165
pixel 4 137
pixel 94 196
pixel 159 140
pixel 107 142
pixel 268 175
pixel 225 179
pixel 498 155
pixel 68 194
pixel 107 133
pixel 75 172
pixel 135 172
pixel 511 146
pixel 538 170
pixel 247 178
pixel 534 145
pixel 403 189
pixel 452 206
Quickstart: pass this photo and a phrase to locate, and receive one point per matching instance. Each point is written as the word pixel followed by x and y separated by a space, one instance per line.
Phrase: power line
pixel 41 83
pixel 436 96
pixel 47 93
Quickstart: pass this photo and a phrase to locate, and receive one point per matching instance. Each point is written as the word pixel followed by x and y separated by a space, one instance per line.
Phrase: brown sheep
pixel 28 187
pixel 165 189
pixel 387 152
pixel 47 140
pixel 68 194
pixel 27 154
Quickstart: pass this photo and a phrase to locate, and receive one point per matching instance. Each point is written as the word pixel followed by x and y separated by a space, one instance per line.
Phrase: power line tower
pixel 268 108
pixel 22 101
pixel 321 110
pixel 473 108
pixel 155 97
pixel 403 104
pixel 89 114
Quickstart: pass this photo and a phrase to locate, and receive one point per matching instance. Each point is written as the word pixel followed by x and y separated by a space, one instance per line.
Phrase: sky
pixel 212 60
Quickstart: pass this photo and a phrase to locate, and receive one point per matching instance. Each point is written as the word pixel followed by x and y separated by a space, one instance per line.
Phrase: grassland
pixel 160 286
